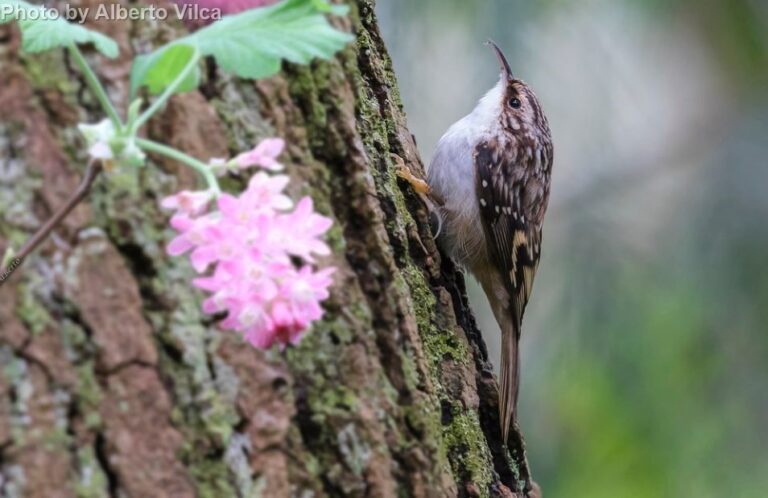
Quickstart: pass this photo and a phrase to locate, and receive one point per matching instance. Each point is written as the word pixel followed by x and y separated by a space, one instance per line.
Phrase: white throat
pixel 485 115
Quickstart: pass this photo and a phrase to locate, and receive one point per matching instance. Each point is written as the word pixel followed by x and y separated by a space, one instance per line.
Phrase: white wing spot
pixel 485 183
pixel 482 202
pixel 497 209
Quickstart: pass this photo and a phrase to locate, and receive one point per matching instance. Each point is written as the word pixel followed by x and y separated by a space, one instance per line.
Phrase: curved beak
pixel 505 69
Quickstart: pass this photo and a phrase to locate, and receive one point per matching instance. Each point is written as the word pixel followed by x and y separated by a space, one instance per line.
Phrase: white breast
pixel 451 175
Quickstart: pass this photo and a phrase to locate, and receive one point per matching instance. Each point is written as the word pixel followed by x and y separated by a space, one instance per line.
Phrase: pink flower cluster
pixel 248 249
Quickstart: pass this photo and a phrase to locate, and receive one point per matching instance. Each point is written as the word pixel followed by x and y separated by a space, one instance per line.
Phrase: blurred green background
pixel 645 346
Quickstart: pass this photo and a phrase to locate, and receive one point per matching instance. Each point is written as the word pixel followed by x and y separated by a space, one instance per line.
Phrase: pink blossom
pixel 247 251
pixel 307 227
pixel 265 155
pixel 187 202
pixel 265 192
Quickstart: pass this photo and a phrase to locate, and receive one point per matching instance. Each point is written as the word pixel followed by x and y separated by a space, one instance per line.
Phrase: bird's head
pixel 517 108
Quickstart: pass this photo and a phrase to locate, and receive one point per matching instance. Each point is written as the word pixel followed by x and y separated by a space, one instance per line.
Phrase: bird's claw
pixel 403 172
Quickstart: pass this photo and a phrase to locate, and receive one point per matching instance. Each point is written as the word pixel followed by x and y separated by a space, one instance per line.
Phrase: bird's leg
pixel 432 201
pixel 419 185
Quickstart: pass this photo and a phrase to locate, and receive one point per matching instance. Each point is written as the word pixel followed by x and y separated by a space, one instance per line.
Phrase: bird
pixel 488 185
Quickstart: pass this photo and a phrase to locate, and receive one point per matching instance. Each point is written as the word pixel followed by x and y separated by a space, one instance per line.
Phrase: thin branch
pixel 91 172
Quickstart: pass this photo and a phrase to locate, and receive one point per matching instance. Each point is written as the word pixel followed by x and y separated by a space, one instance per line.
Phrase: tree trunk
pixel 115 384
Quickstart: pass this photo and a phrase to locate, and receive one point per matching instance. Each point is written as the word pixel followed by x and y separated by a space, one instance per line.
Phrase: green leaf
pixel 335 9
pixel 158 69
pixel 43 29
pixel 252 44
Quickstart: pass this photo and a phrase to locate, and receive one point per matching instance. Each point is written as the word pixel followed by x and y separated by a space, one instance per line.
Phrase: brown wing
pixel 512 200
pixel 503 191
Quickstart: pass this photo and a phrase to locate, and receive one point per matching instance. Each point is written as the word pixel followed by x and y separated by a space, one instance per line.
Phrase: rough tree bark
pixel 114 384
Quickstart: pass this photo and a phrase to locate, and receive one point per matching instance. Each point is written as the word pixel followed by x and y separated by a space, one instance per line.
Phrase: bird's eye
pixel 514 103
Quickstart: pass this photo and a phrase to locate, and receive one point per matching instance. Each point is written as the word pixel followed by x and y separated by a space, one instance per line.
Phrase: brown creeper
pixel 489 183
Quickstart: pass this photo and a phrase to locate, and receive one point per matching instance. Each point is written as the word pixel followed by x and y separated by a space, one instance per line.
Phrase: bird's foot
pixel 419 185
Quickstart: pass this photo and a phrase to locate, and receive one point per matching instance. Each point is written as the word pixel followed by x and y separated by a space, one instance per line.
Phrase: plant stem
pixel 169 91
pixel 96 87
pixel 91 172
pixel 199 166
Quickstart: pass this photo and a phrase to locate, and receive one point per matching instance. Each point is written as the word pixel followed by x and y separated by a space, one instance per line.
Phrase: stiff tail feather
pixel 510 379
